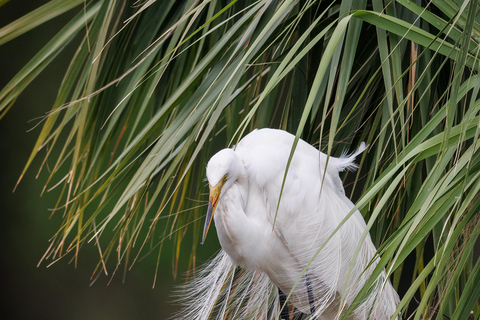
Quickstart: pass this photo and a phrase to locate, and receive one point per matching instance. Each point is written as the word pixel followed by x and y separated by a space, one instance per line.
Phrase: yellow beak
pixel 212 205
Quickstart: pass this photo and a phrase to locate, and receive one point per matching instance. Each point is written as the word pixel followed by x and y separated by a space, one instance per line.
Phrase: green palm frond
pixel 156 87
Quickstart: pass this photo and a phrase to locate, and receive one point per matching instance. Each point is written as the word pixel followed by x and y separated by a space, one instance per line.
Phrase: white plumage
pixel 273 247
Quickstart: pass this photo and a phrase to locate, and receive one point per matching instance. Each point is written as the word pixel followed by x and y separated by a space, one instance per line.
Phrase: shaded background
pixel 60 291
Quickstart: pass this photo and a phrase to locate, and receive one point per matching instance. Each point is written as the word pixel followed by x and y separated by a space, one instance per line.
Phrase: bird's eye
pixel 224 177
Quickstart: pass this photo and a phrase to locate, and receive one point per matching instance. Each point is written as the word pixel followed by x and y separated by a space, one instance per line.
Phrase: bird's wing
pixel 311 207
pixel 336 165
pixel 265 154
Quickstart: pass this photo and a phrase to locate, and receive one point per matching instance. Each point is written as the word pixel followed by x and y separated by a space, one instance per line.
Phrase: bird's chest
pixel 241 237
pixel 231 238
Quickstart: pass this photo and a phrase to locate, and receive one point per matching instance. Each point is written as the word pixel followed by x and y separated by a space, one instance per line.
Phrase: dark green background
pixel 60 291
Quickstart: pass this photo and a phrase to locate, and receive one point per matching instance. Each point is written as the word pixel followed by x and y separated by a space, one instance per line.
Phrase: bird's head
pixel 223 170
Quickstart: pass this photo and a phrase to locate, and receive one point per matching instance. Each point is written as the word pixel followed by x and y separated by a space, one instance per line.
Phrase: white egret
pixel 245 184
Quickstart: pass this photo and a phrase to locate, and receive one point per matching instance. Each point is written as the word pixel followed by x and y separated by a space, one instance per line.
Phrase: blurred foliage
pixel 59 291
pixel 156 86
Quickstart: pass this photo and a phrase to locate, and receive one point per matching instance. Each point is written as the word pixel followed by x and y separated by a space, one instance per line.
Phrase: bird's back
pixel 265 154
